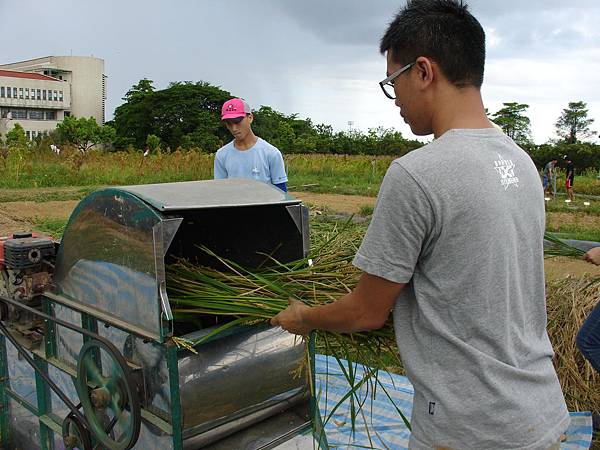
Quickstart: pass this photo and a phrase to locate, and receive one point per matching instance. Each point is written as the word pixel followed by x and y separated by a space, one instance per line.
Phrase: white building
pixel 39 93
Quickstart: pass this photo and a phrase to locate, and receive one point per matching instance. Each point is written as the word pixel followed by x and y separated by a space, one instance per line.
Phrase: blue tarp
pixel 379 425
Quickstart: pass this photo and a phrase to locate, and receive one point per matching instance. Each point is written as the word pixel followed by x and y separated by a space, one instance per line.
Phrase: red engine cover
pixel 6 238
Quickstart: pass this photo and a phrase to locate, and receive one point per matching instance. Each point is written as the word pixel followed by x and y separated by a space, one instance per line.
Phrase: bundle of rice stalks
pixel 569 301
pixel 248 296
pixel 560 248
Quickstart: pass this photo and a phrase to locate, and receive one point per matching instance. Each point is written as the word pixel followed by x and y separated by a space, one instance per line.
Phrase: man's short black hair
pixel 443 30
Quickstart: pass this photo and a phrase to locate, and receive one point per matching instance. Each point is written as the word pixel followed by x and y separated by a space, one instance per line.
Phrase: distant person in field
pixel 455 251
pixel 247 156
pixel 549 177
pixel 569 177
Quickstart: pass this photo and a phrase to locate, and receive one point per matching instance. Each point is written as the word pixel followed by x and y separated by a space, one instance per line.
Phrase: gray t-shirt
pixel 461 220
pixel 549 169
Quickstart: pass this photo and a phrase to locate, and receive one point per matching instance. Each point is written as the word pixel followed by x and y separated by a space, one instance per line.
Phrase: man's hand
pixel 593 256
pixel 366 307
pixel 291 319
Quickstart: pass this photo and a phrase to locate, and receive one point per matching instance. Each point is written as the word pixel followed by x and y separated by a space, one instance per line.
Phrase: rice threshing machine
pixel 87 355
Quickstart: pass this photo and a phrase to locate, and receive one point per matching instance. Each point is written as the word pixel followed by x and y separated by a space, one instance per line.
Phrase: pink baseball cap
pixel 234 108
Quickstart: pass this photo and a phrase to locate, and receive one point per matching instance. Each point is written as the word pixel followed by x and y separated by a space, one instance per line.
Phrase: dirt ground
pixel 348 204
pixel 558 219
pixel 21 215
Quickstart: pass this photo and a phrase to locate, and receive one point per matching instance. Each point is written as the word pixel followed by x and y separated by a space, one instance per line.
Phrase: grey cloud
pixel 533 26
pixel 342 22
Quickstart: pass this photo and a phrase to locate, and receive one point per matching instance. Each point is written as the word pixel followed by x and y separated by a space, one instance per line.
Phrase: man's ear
pixel 250 117
pixel 426 70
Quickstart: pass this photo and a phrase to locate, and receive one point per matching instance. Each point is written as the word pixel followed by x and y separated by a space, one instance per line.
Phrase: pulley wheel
pixel 108 395
pixel 74 434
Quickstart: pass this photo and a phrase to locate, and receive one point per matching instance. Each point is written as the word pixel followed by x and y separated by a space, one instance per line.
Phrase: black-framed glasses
pixel 387 85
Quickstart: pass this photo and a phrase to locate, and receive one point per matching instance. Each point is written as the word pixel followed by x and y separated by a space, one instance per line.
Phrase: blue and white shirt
pixel 262 162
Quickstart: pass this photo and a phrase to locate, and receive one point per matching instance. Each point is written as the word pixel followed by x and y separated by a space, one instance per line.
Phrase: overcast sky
pixel 317 58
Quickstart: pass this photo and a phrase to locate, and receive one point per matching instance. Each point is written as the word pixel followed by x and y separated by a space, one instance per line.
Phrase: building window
pixel 39 94
pixel 28 133
pixel 2 92
pixel 36 114
pixel 26 93
pixel 14 92
pixel 19 113
pixel 60 95
pixel 8 92
pixel 43 94
pixel 55 96
pixel 49 95
pixel 50 115
pixel 3 113
pixel 21 93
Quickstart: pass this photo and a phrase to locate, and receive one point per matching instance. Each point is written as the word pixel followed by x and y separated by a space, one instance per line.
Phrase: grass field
pixel 341 174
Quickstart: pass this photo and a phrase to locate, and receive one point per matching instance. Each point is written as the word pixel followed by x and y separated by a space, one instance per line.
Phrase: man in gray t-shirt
pixel 455 249
pixel 549 176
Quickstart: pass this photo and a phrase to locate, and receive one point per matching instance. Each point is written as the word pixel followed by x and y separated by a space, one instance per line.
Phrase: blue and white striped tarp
pixel 378 424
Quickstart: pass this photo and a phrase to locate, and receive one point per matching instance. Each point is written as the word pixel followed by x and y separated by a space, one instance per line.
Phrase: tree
pixel 573 123
pixel 514 122
pixel 84 133
pixel 173 113
pixel 16 136
pixel 188 115
pixel 139 91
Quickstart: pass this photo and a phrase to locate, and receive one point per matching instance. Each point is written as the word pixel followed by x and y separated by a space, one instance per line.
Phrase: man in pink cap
pixel 247 156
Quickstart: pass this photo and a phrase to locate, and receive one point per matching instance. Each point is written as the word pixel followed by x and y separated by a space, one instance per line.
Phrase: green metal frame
pixel 49 423
pixel 176 413
pixel 3 395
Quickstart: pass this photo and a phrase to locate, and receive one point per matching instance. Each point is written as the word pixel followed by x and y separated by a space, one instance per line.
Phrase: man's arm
pixel 277 170
pixel 367 307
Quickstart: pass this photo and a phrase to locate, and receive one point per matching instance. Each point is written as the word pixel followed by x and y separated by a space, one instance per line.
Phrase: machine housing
pixel 107 334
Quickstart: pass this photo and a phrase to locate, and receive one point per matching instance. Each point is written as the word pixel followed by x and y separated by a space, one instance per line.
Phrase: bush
pixel 16 137
pixel 152 142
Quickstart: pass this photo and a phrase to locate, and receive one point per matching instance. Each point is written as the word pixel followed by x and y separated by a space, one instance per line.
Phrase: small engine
pixel 26 265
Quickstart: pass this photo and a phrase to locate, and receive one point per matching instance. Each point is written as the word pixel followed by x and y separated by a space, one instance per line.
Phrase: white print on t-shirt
pixel 506 170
